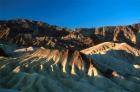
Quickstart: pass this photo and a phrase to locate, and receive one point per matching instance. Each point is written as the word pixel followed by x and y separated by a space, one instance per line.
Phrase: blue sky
pixel 73 13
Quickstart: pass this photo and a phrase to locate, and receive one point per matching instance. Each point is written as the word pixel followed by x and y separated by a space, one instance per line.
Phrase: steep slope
pixel 34 33
pixel 119 60
pixel 38 57
pixel 64 70
pixel 24 32
pixel 128 34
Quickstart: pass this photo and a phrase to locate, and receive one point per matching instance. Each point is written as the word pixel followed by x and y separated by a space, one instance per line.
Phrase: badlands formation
pixel 38 57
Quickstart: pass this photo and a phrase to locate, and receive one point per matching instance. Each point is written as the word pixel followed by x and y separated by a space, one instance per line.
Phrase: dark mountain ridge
pixel 29 32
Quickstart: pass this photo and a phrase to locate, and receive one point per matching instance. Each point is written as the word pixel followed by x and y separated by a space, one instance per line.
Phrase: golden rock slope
pixel 107 67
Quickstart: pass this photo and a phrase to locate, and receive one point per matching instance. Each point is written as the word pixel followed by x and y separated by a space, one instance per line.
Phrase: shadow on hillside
pixel 118 61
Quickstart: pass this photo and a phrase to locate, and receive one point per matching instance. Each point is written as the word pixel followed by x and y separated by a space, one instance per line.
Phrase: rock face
pixel 46 58
pixel 128 34
pixel 101 70
pixel 32 33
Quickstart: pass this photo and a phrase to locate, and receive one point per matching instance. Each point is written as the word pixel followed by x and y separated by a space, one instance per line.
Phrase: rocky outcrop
pixel 126 34
pixel 65 70
pixel 110 55
pixel 33 33
pixel 30 33
pixel 47 58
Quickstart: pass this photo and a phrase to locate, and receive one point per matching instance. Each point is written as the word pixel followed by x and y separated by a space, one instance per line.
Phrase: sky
pixel 73 13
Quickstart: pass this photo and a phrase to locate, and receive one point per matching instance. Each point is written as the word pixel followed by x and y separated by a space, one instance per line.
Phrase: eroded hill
pixel 38 57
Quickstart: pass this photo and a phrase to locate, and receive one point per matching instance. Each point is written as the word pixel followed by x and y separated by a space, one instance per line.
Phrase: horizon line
pixel 115 25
